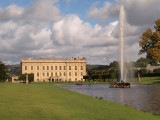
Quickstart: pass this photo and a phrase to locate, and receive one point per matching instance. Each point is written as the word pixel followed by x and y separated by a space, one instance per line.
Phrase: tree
pixel 150 42
pixel 114 64
pixel 3 72
pixel 30 77
pixel 142 62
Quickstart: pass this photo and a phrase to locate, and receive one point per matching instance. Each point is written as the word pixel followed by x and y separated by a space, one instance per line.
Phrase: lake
pixel 142 97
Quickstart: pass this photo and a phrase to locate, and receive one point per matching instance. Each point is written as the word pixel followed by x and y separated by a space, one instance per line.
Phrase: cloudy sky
pixel 66 28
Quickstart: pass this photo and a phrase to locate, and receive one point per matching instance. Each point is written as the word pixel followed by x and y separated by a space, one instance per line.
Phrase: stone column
pixel 27 81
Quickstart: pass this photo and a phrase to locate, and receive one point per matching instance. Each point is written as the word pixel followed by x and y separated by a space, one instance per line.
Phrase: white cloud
pixel 41 30
pixel 108 11
pixel 72 31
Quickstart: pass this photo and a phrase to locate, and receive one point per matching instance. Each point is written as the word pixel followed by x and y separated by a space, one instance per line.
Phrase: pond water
pixel 142 97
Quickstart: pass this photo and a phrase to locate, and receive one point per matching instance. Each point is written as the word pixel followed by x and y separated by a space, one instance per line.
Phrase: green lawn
pixel 150 80
pixel 44 101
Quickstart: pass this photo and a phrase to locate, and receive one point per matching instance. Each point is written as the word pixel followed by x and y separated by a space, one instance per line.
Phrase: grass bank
pixel 45 101
pixel 84 82
pixel 150 80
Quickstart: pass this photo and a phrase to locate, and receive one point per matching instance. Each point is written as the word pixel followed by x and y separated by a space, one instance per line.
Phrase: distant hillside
pixel 97 67
pixel 14 69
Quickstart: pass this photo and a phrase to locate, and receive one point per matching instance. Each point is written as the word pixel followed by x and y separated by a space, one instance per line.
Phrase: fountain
pixel 123 73
pixel 121 24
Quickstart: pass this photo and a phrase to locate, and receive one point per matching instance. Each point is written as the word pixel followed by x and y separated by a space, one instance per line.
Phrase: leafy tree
pixel 31 77
pixel 86 77
pixel 23 77
pixel 150 42
pixel 3 72
pixel 114 64
pixel 142 62
pixel 104 77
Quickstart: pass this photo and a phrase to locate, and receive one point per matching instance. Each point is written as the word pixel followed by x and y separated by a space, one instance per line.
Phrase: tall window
pixel 55 67
pixel 31 67
pixel 37 74
pixel 64 74
pixel 81 67
pixel 69 73
pixel 51 67
pixel 56 74
pixel 75 67
pixel 64 67
pixel 51 73
pixel 47 74
pixel 43 74
pixel 59 67
pixel 81 74
pixel 43 67
pixel 47 67
pixel 60 74
pixel 75 73
pixel 75 79
pixel 37 67
pixel 69 67
pixel 25 67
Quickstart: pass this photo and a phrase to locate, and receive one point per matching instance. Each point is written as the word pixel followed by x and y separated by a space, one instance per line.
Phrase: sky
pixel 72 28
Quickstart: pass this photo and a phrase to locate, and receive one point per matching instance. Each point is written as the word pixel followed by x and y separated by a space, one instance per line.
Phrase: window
pixel 56 74
pixel 60 74
pixel 59 67
pixel 81 74
pixel 55 67
pixel 69 73
pixel 81 67
pixel 43 74
pixel 75 79
pixel 51 73
pixel 25 67
pixel 75 67
pixel 47 74
pixel 64 74
pixel 31 67
pixel 75 73
pixel 69 67
pixel 64 67
pixel 37 67
pixel 47 67
pixel 37 74
pixel 51 67
pixel 43 67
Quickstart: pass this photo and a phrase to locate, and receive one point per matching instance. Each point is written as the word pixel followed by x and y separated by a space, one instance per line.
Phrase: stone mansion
pixel 55 69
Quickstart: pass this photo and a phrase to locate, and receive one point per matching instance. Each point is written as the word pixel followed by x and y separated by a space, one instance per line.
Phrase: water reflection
pixel 142 97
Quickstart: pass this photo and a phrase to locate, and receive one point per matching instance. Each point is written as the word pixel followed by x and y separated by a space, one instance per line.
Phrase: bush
pixel 151 75
pixel 156 70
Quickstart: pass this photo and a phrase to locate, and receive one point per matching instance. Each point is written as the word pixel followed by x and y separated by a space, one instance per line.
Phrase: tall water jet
pixel 121 24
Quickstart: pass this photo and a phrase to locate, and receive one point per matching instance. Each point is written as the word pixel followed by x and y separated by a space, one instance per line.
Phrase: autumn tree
pixel 150 42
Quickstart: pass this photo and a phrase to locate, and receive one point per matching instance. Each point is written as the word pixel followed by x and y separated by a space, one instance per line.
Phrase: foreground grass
pixel 45 101
pixel 150 80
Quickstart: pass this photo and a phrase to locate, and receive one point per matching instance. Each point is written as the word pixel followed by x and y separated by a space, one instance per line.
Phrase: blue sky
pixel 79 7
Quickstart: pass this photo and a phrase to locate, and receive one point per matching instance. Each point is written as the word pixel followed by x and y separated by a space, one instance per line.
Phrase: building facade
pixel 55 69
